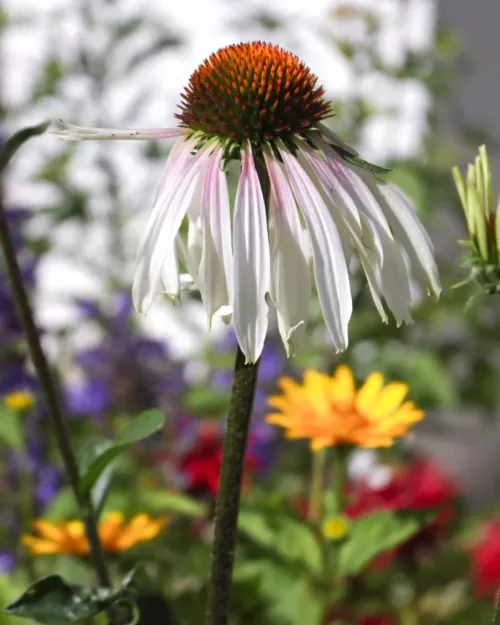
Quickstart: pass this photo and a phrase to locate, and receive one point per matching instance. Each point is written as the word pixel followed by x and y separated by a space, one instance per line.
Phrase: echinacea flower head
pixel 330 411
pixel 115 534
pixel 303 199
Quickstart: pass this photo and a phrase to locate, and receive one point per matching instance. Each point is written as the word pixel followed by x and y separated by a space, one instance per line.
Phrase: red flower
pixel 486 559
pixel 418 486
pixel 202 463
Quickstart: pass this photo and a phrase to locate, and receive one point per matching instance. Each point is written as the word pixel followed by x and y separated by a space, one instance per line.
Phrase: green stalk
pixel 51 398
pixel 317 484
pixel 228 498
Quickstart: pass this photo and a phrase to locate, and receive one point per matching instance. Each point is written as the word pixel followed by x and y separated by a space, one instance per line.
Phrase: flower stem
pixel 228 498
pixel 317 484
pixel 339 476
pixel 51 397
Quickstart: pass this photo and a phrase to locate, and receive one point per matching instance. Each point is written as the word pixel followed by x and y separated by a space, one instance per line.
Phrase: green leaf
pixel 13 144
pixel 288 539
pixel 374 534
pixel 168 501
pixel 62 506
pixel 141 427
pixel 10 429
pixel 206 399
pixel 51 600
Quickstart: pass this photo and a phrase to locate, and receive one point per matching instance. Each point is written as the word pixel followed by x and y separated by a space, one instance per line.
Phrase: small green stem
pixel 51 397
pixel 496 610
pixel 339 477
pixel 228 498
pixel 317 484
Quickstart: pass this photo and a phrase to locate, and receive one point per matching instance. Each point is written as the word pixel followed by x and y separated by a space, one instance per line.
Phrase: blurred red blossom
pixel 486 560
pixel 420 485
pixel 202 463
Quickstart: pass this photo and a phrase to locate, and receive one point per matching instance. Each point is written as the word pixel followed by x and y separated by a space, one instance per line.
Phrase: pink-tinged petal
pixel 342 206
pixel 290 279
pixel 251 261
pixel 394 280
pixel 212 272
pixel 179 158
pixel 220 220
pixel 162 229
pixel 170 275
pixel 330 269
pixel 71 132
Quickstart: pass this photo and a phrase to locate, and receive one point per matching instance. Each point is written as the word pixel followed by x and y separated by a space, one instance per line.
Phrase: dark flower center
pixel 255 91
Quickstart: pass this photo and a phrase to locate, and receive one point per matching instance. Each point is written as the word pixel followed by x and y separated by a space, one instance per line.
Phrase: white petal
pixel 251 261
pixel 162 229
pixel 170 275
pixel 412 234
pixel 178 159
pixel 220 219
pixel 393 275
pixel 343 206
pixel 71 132
pixel 290 279
pixel 216 240
pixel 330 269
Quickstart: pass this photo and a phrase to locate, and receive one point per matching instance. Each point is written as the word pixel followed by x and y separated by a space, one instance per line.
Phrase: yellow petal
pixel 41 547
pixel 109 529
pixel 390 399
pixel 343 387
pixel 369 392
pixel 75 529
pixel 49 530
pixel 317 444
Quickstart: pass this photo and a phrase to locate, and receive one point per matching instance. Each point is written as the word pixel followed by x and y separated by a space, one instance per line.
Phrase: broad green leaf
pixel 141 427
pixel 13 144
pixel 169 501
pixel 287 538
pixel 374 534
pixel 10 429
pixel 51 600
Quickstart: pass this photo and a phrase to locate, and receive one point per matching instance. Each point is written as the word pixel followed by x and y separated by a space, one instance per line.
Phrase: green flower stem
pixel 341 455
pixel 317 484
pixel 496 611
pixel 51 398
pixel 228 498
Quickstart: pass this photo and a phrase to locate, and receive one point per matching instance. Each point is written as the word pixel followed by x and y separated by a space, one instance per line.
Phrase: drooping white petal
pixel 343 207
pixel 394 280
pixel 290 279
pixel 216 259
pixel 251 261
pixel 163 225
pixel 170 275
pixel 220 220
pixel 408 229
pixel 330 269
pixel 71 132
pixel 179 158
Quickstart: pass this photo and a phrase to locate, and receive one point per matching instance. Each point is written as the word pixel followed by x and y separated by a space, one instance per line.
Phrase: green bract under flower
pixel 252 91
pixel 483 222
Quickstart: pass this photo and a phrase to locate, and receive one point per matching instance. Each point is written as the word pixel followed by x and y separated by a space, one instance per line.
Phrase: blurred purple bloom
pixel 125 372
pixel 7 562
pixel 91 397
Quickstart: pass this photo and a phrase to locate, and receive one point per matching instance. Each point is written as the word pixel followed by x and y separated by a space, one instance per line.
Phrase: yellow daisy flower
pixel 329 410
pixel 69 537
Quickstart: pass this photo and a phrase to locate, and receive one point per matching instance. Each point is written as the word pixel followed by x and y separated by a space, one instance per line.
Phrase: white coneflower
pixel 300 188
